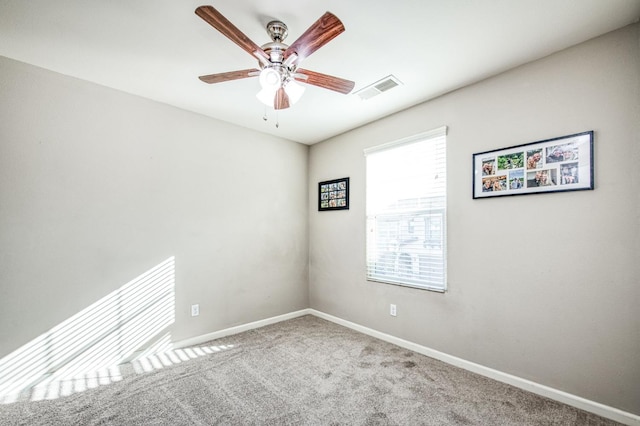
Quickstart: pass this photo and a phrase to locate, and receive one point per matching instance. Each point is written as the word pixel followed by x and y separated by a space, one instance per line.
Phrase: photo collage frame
pixel 553 165
pixel 333 194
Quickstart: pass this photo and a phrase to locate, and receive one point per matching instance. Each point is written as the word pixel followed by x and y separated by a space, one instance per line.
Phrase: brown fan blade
pixel 222 24
pixel 325 81
pixel 281 100
pixel 317 35
pixel 228 76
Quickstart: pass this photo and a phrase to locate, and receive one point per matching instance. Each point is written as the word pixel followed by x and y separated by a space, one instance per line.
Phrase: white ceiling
pixel 158 48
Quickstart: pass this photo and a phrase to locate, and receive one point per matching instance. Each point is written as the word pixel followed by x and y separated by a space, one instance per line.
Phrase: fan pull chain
pixel 265 117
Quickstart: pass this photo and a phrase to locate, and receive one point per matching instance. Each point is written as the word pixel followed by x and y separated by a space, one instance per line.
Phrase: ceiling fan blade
pixel 317 35
pixel 228 76
pixel 281 100
pixel 325 81
pixel 222 24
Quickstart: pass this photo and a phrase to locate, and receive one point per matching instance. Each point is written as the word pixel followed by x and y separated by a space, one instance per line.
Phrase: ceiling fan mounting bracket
pixel 277 30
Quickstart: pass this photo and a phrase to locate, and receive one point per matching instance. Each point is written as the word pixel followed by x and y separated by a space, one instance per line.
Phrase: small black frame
pixel 553 165
pixel 333 194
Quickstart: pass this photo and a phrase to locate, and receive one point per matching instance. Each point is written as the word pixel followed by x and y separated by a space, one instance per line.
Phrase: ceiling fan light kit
pixel 278 64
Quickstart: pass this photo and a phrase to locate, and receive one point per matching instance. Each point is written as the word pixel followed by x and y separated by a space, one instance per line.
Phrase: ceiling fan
pixel 278 63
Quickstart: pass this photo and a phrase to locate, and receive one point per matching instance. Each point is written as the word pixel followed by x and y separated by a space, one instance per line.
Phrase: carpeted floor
pixel 305 371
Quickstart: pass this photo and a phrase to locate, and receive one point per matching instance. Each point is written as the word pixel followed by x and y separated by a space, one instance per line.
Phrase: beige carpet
pixel 304 371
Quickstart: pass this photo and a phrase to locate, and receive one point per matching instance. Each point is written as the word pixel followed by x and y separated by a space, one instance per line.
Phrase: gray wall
pixel 98 186
pixel 545 286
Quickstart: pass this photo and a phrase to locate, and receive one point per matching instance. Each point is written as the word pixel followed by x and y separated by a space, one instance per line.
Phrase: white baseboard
pixel 542 390
pixel 193 341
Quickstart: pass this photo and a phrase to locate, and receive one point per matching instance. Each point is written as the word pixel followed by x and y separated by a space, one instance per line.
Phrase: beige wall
pixel 545 286
pixel 98 186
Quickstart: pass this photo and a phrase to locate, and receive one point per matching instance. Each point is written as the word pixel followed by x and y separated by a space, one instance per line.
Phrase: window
pixel 406 211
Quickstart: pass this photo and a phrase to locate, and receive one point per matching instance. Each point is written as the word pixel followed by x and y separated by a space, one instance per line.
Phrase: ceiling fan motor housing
pixel 275 50
pixel 277 30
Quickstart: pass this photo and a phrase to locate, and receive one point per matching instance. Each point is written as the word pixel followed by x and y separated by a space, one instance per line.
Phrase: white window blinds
pixel 406 211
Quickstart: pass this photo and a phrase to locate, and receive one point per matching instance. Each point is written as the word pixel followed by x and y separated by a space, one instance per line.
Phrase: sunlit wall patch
pixel 84 351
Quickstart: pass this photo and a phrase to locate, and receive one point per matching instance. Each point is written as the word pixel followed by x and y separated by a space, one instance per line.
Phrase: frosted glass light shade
pixel 294 91
pixel 270 79
pixel 267 96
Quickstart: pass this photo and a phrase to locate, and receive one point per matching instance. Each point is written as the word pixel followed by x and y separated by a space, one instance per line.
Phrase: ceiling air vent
pixel 387 83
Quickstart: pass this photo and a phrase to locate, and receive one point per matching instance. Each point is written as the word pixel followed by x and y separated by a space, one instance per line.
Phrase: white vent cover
pixel 387 83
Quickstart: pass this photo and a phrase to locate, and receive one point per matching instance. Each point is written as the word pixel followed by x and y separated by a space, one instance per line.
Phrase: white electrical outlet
pixel 392 310
pixel 195 310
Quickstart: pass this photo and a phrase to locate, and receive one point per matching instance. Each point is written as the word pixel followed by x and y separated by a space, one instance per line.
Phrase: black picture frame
pixel 333 194
pixel 560 164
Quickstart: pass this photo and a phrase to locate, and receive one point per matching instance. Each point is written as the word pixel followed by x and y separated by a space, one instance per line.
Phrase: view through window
pixel 406 211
